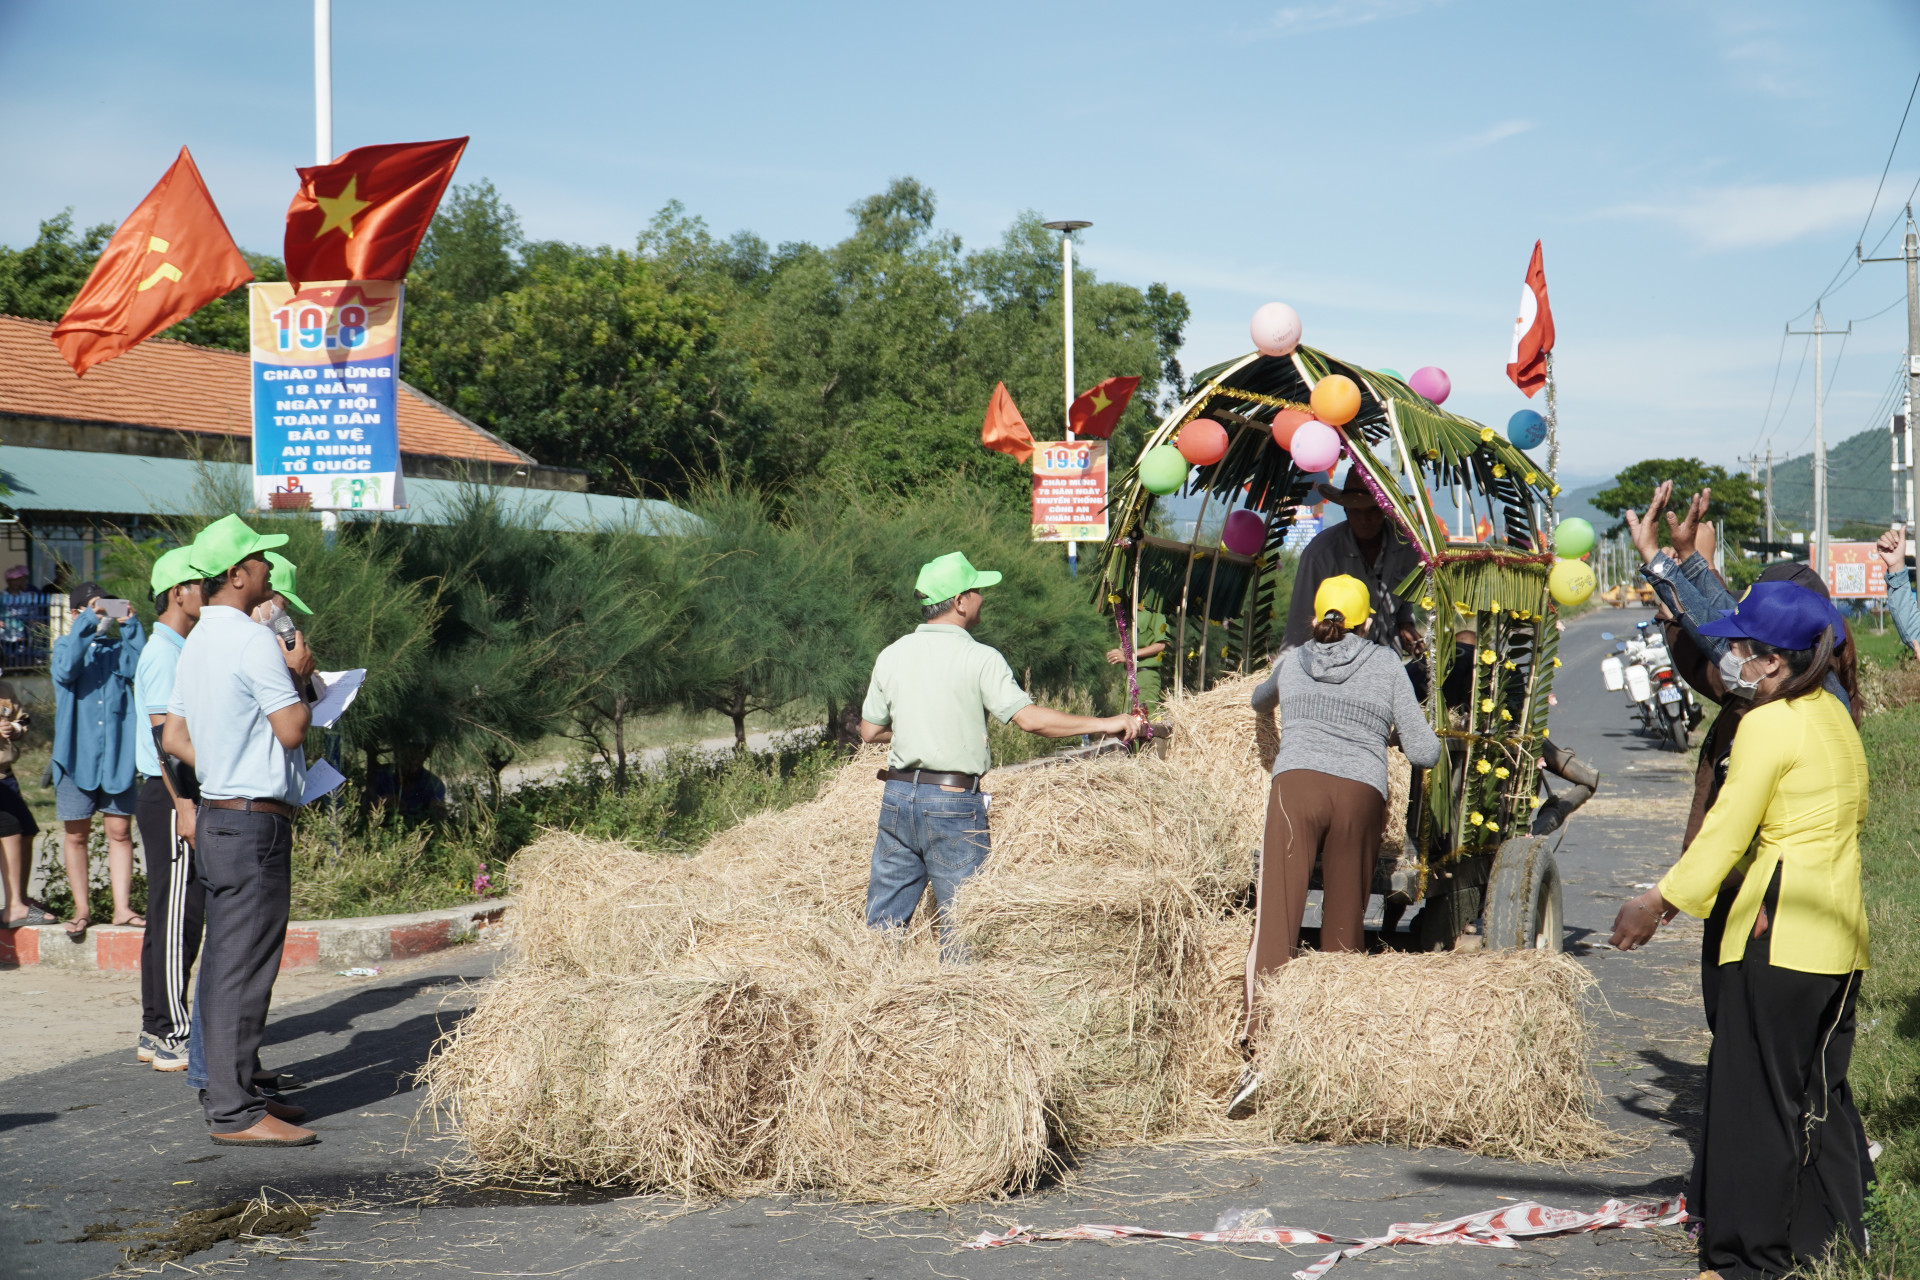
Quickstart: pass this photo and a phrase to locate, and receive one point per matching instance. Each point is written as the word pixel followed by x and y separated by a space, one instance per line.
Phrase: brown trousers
pixel 1313 815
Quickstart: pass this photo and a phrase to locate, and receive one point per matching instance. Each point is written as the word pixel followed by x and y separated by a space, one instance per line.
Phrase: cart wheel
pixel 1523 897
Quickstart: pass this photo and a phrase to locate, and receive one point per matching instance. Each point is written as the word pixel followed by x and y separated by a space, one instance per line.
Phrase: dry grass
pixel 1483 1050
pixel 931 1087
pixel 662 1084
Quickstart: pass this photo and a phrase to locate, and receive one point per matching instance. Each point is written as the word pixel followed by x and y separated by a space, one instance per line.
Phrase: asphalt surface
pixel 101 1147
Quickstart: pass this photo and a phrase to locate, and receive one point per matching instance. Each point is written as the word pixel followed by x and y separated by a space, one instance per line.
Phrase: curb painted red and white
pixel 359 940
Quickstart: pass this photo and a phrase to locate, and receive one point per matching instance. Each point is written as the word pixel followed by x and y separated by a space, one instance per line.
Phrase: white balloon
pixel 1275 329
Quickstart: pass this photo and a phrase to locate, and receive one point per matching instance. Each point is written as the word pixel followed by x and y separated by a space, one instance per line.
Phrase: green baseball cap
pixel 948 576
pixel 174 568
pixel 281 580
pixel 226 542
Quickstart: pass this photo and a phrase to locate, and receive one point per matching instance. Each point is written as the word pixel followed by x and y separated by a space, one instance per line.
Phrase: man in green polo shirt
pixel 929 698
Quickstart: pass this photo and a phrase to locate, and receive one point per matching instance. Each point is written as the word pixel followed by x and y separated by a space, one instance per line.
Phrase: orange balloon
pixel 1285 423
pixel 1335 400
pixel 1202 442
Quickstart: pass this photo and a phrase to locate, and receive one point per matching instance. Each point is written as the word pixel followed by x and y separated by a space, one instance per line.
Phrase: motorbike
pixel 1642 668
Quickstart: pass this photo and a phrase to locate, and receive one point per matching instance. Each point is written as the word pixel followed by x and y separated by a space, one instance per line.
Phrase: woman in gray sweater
pixel 1341 697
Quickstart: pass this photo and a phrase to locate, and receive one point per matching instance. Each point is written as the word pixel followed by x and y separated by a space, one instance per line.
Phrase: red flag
pixel 172 256
pixel 361 217
pixel 1482 530
pixel 1098 411
pixel 1532 330
pixel 1005 431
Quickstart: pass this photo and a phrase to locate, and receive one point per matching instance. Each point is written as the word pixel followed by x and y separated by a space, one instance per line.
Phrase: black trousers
pixel 175 908
pixel 1783 1167
pixel 245 864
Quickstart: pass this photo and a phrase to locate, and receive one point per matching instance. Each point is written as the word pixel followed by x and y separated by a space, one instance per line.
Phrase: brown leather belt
pixel 275 807
pixel 964 781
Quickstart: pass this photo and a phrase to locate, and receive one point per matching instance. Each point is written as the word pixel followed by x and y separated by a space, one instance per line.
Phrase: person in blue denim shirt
pixel 1892 547
pixel 94 724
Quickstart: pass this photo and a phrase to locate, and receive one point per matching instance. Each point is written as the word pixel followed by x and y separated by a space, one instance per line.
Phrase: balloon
pixel 1432 383
pixel 1316 446
pixel 1335 400
pixel 1285 423
pixel 1572 538
pixel 1526 428
pixel 1275 329
pixel 1245 533
pixel 1571 582
pixel 1163 470
pixel 1395 374
pixel 1202 442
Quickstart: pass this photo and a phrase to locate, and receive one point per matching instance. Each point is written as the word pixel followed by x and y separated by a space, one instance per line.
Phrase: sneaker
pixel 144 1052
pixel 169 1057
pixel 1244 1091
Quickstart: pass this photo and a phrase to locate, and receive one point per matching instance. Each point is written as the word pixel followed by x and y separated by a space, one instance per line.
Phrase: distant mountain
pixel 1859 483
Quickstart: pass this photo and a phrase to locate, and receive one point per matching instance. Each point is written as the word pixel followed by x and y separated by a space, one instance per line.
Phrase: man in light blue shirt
pixel 175 903
pixel 237 717
pixel 93 740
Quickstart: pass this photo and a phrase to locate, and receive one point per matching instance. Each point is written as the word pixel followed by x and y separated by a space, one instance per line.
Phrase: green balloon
pixel 1391 373
pixel 1163 470
pixel 1573 538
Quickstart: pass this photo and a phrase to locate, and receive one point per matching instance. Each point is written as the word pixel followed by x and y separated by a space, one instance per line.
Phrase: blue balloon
pixel 1526 428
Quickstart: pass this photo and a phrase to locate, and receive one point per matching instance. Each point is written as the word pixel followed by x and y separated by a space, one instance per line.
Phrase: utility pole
pixel 1819 332
pixel 1909 254
pixel 1754 462
pixel 1066 228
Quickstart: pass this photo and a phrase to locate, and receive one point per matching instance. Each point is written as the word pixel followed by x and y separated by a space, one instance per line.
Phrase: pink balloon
pixel 1316 446
pixel 1275 329
pixel 1245 533
pixel 1432 383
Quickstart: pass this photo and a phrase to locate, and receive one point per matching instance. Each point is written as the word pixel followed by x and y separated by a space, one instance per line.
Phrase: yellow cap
pixel 1347 595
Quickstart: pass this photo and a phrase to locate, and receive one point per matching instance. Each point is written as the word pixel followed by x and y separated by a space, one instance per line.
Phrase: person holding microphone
pixel 238 718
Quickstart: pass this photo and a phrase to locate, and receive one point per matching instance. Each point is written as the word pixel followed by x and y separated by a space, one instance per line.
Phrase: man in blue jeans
pixel 94 731
pixel 929 698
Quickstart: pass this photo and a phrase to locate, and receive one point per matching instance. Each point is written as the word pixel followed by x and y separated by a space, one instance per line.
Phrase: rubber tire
pixel 1524 910
pixel 1677 732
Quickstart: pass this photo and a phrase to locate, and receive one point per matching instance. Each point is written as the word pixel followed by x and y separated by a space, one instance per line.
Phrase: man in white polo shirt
pixel 239 720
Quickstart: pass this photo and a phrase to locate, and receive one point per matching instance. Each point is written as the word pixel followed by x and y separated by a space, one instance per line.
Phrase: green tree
pixel 1735 504
pixel 41 280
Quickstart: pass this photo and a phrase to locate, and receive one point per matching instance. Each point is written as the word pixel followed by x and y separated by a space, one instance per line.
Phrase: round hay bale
pixel 1220 741
pixel 931 1088
pixel 602 907
pixel 1486 1051
pixel 663 1085
pixel 815 855
pixel 1212 1023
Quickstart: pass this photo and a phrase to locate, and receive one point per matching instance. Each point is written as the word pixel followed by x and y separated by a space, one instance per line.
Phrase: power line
pixel 1887 167
pixel 1838 357
pixel 1779 359
pixel 1898 298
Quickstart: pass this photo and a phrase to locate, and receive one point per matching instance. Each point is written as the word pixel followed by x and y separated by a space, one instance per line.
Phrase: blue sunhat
pixel 1785 615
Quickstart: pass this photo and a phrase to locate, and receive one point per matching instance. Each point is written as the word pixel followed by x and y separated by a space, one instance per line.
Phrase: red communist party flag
pixel 1098 411
pixel 361 217
pixel 1005 431
pixel 172 256
pixel 1532 330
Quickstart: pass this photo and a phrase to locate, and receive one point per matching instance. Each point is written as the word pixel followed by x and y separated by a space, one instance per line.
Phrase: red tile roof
pixel 176 386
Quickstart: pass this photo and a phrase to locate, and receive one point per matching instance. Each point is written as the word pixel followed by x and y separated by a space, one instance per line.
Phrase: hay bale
pixel 599 907
pixel 1486 1051
pixel 1220 741
pixel 930 1088
pixel 664 1085
pixel 815 854
pixel 1212 1023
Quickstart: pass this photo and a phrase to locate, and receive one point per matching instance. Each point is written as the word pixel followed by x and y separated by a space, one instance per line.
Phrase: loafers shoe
pixel 268 1131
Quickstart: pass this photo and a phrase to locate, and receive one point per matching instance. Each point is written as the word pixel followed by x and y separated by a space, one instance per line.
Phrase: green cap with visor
pixel 949 576
pixel 281 580
pixel 174 568
pixel 226 542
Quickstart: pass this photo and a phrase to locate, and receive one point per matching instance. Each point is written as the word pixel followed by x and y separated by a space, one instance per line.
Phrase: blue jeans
pixel 925 834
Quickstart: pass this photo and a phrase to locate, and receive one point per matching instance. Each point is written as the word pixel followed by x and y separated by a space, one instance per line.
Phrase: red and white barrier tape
pixel 1491 1228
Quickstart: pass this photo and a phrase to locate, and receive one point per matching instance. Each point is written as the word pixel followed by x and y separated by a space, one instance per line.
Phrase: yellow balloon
pixel 1335 400
pixel 1571 582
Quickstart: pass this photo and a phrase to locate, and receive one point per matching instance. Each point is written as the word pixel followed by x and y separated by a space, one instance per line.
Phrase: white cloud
pixel 1487 137
pixel 1299 19
pixel 1757 215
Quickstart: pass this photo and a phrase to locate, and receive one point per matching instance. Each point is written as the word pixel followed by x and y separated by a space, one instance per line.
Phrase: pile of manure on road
pixel 726 1024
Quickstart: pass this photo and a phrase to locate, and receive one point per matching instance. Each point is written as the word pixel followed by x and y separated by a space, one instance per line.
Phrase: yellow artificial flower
pixel 1494 605
pixel 1475 819
pixel 1532 476
pixel 1509 665
pixel 1556 662
pixel 1502 773
pixel 1462 609
pixel 1426 602
pixel 1489 657
pixel 1493 826
pixel 1554 492
pixel 1505 714
pixel 1538 801
pixel 1499 470
pixel 1486 435
pixel 1483 767
pixel 1486 704
pixel 1432 454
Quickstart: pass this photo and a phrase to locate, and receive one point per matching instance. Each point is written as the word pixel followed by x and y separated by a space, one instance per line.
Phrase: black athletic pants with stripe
pixel 176 907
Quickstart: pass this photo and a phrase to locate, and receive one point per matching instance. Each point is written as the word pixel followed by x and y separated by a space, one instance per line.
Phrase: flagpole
pixel 322 81
pixel 1066 228
pixel 1553 441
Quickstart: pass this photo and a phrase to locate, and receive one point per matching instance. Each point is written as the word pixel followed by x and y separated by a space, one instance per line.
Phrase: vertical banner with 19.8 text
pixel 1070 491
pixel 326 368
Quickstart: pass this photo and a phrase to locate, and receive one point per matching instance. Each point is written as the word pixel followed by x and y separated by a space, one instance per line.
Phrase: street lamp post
pixel 1066 228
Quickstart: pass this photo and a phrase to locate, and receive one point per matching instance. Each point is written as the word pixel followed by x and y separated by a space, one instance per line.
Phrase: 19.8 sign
pixel 307 328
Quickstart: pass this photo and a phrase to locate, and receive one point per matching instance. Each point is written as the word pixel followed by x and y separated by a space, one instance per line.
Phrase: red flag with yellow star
pixel 172 256
pixel 361 217
pixel 1098 411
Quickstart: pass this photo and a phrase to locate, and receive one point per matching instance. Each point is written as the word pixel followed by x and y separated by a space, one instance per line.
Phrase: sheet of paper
pixel 322 778
pixel 342 688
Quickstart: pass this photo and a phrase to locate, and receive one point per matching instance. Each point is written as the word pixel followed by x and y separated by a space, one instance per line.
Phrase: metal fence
pixel 26 622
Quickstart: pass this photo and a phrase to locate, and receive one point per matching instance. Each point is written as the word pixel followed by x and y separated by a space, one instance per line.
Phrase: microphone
pixel 283 626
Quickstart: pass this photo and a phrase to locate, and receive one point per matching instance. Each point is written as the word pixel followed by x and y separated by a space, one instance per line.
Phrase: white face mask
pixel 1732 665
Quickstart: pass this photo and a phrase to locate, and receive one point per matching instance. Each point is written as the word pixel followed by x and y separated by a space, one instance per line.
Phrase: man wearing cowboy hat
pixel 1368 547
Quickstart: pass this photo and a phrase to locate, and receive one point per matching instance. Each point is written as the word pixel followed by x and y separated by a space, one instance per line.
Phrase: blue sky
pixel 1698 170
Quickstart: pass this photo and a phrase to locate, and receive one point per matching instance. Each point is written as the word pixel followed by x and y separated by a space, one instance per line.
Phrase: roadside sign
pixel 1070 491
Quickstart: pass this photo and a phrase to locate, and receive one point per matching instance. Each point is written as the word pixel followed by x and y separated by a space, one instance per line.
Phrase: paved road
pixel 100 1143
